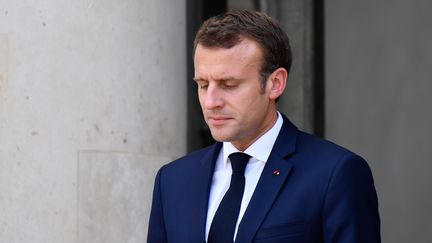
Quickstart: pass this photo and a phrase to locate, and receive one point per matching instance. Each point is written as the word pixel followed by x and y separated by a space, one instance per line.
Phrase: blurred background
pixel 96 95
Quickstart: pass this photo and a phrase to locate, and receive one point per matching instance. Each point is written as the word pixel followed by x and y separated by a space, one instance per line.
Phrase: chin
pixel 220 137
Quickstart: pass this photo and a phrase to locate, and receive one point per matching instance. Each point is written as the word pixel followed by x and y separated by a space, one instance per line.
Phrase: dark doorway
pixel 198 134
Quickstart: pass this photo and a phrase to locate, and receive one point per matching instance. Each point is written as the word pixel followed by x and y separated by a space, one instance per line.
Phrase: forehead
pixel 245 56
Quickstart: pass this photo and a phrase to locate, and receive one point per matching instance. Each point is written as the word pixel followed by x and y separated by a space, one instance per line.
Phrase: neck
pixel 268 123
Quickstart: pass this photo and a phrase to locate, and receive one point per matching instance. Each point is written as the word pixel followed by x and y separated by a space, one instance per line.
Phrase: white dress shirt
pixel 259 152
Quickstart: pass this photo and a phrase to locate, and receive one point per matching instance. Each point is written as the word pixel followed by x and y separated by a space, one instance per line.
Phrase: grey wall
pixel 92 102
pixel 378 98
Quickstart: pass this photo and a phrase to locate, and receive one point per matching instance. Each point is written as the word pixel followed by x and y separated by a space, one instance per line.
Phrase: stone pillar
pixel 92 102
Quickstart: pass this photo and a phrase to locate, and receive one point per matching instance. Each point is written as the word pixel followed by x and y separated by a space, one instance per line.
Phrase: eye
pixel 230 85
pixel 202 85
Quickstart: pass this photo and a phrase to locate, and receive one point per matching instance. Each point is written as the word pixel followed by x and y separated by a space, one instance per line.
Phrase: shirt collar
pixel 261 148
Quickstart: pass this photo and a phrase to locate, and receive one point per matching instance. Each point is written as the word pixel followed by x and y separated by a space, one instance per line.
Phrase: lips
pixel 217 120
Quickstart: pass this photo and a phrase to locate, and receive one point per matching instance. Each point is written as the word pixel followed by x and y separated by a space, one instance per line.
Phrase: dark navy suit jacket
pixel 323 193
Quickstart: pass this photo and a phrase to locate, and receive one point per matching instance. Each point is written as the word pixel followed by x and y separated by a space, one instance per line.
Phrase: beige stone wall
pixel 92 102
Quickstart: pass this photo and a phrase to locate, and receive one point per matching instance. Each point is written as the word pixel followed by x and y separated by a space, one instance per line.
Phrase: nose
pixel 213 98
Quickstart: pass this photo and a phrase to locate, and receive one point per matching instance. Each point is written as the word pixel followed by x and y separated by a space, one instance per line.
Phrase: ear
pixel 277 82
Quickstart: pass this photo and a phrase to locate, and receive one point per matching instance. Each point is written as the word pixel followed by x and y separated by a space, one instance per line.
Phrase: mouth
pixel 217 120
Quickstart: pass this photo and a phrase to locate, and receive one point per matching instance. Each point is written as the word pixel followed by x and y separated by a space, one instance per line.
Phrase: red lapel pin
pixel 276 172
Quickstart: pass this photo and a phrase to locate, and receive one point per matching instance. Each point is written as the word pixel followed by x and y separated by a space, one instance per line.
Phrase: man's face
pixel 235 105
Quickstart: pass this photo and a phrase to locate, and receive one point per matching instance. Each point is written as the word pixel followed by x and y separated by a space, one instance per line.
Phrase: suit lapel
pixel 273 177
pixel 199 202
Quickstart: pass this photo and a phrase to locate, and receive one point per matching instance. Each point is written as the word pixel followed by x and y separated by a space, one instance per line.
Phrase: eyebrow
pixel 197 79
pixel 224 79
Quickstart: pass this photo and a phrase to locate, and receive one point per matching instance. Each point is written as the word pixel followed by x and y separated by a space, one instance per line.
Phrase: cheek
pixel 255 101
pixel 250 108
pixel 257 107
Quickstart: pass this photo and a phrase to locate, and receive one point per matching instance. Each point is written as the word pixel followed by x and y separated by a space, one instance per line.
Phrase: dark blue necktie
pixel 224 222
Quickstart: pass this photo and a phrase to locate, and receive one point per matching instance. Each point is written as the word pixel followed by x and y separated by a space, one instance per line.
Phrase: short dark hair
pixel 228 29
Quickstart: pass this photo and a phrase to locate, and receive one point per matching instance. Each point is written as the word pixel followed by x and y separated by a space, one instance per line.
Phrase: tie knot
pixel 239 162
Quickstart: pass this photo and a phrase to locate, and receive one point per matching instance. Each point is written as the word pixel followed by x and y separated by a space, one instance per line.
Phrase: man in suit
pixel 263 180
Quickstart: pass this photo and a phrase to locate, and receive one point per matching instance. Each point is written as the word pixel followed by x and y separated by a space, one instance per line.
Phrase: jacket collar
pixel 204 176
pixel 273 177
